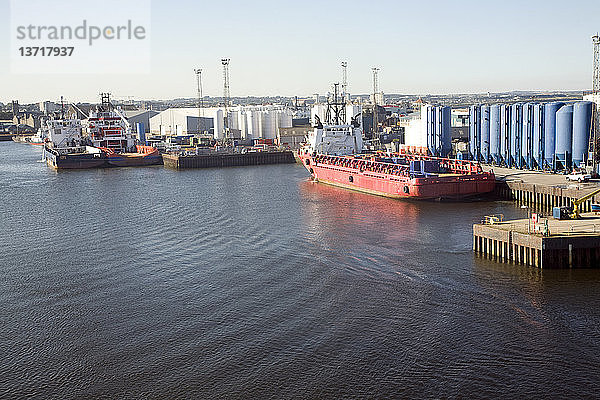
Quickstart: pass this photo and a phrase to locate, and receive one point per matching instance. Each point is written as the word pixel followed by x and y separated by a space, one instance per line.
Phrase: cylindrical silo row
pixel 531 135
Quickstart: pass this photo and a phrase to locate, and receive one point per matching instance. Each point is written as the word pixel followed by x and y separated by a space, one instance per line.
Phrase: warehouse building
pixel 136 117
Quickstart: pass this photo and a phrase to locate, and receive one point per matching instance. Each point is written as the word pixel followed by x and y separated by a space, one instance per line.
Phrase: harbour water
pixel 254 282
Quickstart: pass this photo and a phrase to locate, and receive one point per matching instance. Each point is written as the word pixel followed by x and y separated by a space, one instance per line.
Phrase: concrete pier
pixel 227 159
pixel 565 244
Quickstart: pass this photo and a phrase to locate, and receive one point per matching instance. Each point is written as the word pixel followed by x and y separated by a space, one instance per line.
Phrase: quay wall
pixel 227 160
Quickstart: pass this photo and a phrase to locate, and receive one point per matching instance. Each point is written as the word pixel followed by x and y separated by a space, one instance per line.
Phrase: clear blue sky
pixel 295 48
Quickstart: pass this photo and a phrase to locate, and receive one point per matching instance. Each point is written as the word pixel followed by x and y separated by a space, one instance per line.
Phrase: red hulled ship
pixel 332 155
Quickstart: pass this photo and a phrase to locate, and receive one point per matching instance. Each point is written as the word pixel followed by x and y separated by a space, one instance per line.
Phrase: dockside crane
pixel 593 148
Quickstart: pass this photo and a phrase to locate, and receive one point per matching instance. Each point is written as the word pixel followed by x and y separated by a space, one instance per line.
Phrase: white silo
pixel 320 110
pixel 261 124
pixel 233 119
pixel 269 124
pixel 252 122
pixel 243 123
pixel 352 110
pixel 218 133
pixel 285 118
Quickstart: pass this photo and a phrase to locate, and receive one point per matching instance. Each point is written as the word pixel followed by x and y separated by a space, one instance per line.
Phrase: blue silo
pixel 505 133
pixel 485 133
pixel 527 135
pixel 550 110
pixel 495 134
pixel 582 125
pixel 443 131
pixel 515 134
pixel 538 135
pixel 431 139
pixel 474 132
pixel 564 136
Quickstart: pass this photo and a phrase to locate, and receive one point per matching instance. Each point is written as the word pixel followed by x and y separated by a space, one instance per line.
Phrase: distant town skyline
pixel 290 48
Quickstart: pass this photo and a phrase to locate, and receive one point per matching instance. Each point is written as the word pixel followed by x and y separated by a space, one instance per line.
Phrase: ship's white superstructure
pixel 63 133
pixel 108 127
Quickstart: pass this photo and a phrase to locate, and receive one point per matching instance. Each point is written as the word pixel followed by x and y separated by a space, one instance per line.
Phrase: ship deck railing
pixel 374 164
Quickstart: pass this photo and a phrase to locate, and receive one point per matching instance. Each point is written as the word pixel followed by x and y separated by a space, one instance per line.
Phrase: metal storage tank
pixel 219 122
pixel 527 135
pixel 444 134
pixel 495 134
pixel 564 136
pixel 431 139
pixel 353 110
pixel 516 114
pixel 485 133
pixel 582 124
pixel 538 135
pixel 550 110
pixel 474 132
pixel 505 118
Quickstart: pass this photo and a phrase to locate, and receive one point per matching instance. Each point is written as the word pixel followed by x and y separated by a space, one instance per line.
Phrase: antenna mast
pixel 225 62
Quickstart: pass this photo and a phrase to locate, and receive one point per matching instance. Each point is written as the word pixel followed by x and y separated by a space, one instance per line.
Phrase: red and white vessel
pixel 109 130
pixel 332 155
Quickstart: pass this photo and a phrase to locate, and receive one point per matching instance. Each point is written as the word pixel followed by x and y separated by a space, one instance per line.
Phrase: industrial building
pixel 244 122
pixel 430 133
pixel 292 137
pixel 136 117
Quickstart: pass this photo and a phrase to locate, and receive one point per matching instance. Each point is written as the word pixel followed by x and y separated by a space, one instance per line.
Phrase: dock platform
pixel 212 160
pixel 548 243
pixel 541 191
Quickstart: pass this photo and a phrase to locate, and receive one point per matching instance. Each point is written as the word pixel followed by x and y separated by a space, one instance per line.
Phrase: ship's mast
pixel 105 100
pixel 336 110
pixel 344 79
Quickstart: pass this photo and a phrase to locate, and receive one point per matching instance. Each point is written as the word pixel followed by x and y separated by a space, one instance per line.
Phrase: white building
pixel 245 122
pixel 415 129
